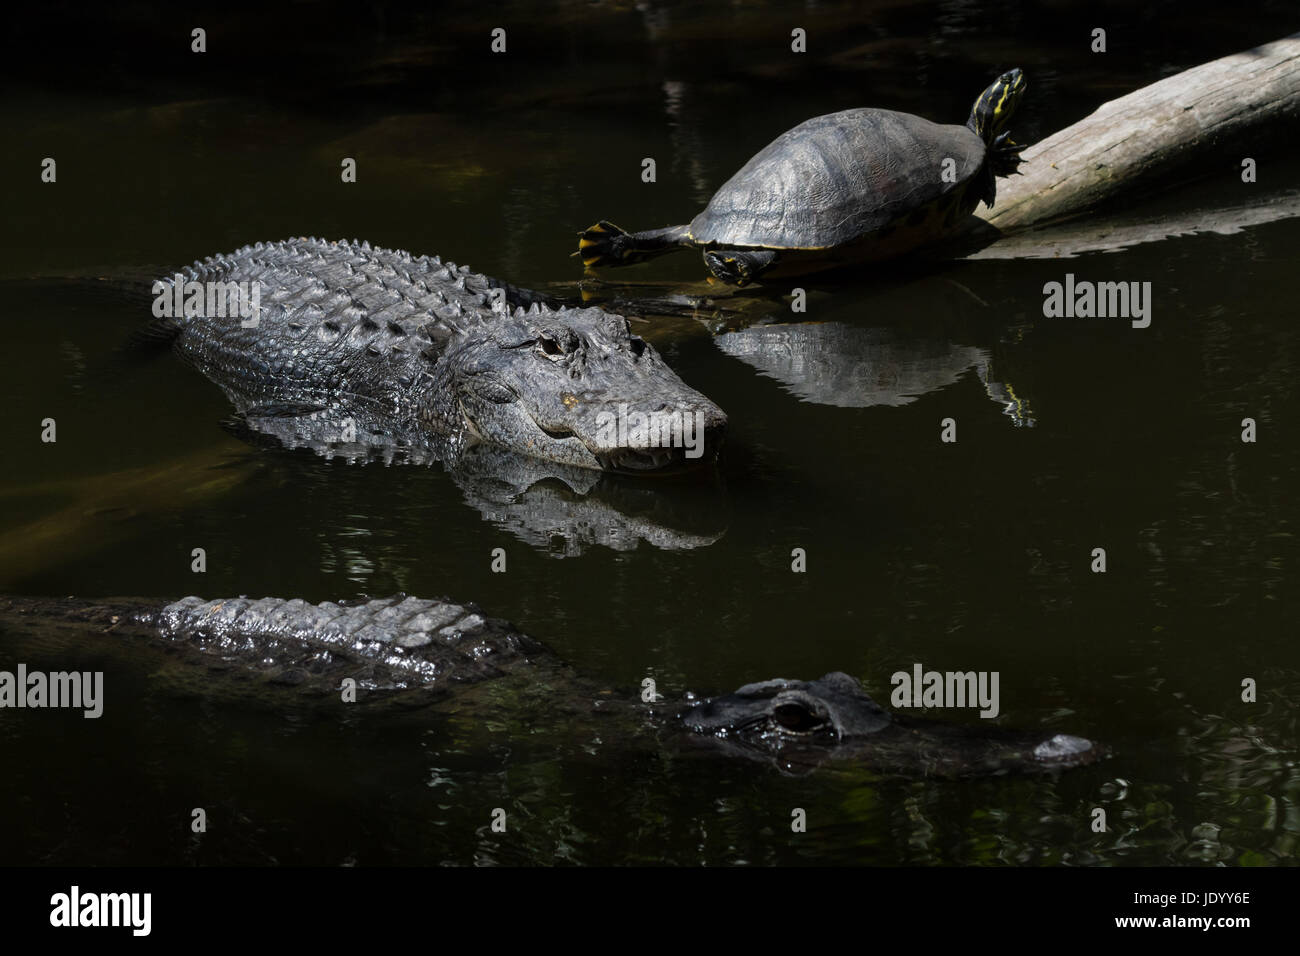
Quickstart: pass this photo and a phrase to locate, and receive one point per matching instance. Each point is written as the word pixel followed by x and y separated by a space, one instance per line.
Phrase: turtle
pixel 854 186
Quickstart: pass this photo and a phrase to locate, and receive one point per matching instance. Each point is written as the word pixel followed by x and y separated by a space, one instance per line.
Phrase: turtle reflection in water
pixel 849 366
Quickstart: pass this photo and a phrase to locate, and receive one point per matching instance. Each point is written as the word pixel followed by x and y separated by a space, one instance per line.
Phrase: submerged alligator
pixel 410 648
pixel 353 343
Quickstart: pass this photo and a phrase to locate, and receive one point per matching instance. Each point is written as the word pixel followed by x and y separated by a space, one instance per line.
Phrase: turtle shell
pixel 837 178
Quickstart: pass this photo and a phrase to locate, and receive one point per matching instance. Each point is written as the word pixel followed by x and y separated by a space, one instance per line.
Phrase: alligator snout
pixel 629 439
pixel 1067 749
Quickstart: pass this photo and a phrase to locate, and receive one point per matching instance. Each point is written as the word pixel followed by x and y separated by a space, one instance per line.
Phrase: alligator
pixel 356 343
pixel 416 650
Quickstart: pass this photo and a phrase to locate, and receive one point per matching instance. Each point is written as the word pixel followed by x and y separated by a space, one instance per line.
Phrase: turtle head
pixel 992 112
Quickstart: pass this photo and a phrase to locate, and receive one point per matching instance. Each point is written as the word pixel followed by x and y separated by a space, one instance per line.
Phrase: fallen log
pixel 1152 134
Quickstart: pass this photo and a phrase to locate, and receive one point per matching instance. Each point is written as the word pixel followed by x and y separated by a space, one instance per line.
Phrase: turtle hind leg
pixel 605 244
pixel 737 267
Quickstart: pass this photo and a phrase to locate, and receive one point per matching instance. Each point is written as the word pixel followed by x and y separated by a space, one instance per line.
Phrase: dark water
pixel 1073 435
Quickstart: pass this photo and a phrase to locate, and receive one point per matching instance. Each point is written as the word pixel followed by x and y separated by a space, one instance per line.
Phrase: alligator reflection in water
pixel 566 510
pixel 559 509
pixel 409 649
pixel 834 363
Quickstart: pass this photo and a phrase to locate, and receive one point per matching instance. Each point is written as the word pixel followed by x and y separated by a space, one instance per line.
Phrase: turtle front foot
pixel 1004 156
pixel 603 245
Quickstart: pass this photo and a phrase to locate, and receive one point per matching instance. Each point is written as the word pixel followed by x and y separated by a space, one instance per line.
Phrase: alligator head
pixel 575 386
pixel 799 725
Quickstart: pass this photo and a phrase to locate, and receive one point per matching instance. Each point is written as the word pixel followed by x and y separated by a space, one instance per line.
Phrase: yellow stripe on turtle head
pixel 994 107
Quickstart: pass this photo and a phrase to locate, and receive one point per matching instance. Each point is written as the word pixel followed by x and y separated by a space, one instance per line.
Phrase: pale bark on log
pixel 1155 132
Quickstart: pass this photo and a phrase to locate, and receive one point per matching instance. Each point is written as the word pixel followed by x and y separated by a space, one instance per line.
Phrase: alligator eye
pixel 550 346
pixel 795 718
pixel 492 391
